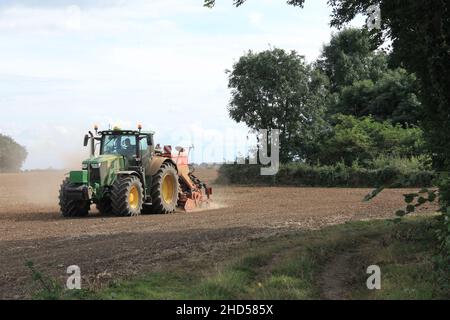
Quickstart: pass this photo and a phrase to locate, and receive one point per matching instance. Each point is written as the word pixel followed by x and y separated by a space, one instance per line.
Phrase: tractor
pixel 129 176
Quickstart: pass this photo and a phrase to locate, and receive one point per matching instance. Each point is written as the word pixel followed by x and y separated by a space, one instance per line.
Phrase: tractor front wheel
pixel 127 196
pixel 72 208
pixel 165 188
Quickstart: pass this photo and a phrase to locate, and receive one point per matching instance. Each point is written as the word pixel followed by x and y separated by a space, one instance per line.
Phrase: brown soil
pixel 31 228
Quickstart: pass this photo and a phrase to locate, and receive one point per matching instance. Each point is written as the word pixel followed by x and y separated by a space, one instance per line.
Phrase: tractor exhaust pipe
pixel 92 140
pixel 92 144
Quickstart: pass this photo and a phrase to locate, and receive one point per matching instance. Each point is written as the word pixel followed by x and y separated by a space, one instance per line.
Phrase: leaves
pixel 421 200
pixel 409 198
pixel 373 194
pixel 400 213
pixel 432 196
pixel 237 3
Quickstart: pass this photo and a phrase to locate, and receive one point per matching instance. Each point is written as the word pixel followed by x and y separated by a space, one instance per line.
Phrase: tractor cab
pixel 132 145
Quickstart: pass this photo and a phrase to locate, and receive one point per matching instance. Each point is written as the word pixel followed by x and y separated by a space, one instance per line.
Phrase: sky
pixel 66 65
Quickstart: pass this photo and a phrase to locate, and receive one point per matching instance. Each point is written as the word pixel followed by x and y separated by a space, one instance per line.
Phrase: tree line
pixel 353 104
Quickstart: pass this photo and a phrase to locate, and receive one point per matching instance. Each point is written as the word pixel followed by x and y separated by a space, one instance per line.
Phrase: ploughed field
pixel 110 248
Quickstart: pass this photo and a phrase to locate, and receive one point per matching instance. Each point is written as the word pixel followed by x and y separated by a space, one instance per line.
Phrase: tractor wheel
pixel 105 207
pixel 72 208
pixel 127 196
pixel 165 188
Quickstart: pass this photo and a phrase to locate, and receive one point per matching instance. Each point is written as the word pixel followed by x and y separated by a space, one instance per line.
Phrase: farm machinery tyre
pixel 165 190
pixel 127 196
pixel 72 208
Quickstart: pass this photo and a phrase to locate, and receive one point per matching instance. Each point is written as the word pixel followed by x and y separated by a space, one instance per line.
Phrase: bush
pixel 338 175
pixel 365 139
pixel 405 165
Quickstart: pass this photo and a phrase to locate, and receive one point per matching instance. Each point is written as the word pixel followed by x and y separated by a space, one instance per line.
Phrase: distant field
pixel 111 248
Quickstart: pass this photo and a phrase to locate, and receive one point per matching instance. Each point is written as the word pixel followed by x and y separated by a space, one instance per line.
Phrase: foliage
pixel 392 97
pixel 420 35
pixel 414 163
pixel 442 231
pixel 237 3
pixel 275 89
pixel 12 155
pixel 337 175
pixel 350 57
pixel 365 139
pixel 49 289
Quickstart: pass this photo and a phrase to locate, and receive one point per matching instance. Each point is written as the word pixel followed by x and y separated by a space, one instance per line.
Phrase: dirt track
pixel 106 248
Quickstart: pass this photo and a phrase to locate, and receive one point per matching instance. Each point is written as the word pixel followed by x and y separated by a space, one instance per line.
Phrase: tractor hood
pixel 103 158
pixel 106 161
pixel 102 170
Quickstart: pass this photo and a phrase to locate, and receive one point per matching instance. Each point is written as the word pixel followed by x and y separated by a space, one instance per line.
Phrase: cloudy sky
pixel 66 65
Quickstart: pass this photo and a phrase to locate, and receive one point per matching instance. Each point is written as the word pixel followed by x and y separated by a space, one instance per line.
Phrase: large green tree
pixel 362 82
pixel 350 57
pixel 275 89
pixel 392 97
pixel 12 155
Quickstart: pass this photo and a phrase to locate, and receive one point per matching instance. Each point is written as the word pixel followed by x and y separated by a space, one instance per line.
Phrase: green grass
pixel 291 267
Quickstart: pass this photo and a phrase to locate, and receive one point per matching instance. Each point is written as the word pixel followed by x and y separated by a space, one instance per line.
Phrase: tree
pixel 393 97
pixel 350 57
pixel 363 84
pixel 275 89
pixel 12 155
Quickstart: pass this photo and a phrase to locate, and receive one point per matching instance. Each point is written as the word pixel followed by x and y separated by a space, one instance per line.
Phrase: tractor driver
pixel 128 149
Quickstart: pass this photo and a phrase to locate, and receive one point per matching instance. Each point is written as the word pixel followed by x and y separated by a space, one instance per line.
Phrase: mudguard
pixel 155 164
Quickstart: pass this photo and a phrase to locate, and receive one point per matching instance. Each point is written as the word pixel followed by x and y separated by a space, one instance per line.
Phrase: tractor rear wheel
pixel 127 196
pixel 165 188
pixel 72 208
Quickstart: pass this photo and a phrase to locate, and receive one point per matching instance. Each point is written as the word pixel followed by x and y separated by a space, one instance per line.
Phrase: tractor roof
pixel 125 132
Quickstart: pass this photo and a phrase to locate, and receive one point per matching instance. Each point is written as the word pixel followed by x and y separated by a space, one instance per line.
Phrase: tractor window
pixel 119 144
pixel 144 146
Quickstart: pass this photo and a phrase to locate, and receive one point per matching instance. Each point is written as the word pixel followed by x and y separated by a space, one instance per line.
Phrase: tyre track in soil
pixel 111 248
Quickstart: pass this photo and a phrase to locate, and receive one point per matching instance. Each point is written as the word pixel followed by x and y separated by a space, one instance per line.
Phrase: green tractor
pixel 131 176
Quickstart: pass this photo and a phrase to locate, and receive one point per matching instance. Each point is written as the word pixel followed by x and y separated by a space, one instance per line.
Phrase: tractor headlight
pixel 84 166
pixel 95 165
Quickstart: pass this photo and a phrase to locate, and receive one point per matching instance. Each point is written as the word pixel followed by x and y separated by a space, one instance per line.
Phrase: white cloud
pixel 255 19
pixel 20 18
